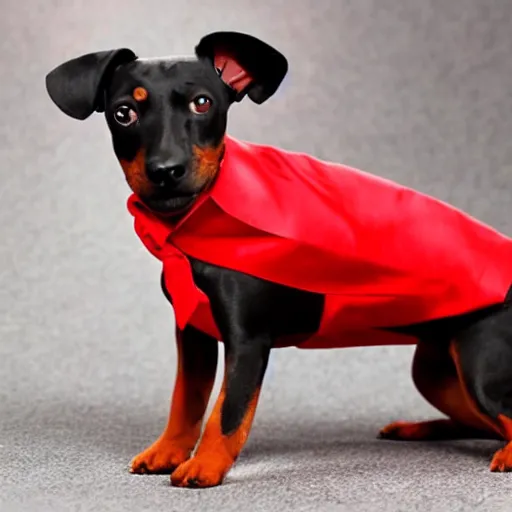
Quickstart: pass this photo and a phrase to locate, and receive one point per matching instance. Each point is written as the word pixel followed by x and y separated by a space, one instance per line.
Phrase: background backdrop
pixel 417 91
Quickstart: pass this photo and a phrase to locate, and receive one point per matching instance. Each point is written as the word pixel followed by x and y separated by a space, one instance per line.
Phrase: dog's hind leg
pixel 483 357
pixel 432 430
pixel 436 378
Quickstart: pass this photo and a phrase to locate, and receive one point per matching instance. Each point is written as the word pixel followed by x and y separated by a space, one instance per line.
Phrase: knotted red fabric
pixel 382 254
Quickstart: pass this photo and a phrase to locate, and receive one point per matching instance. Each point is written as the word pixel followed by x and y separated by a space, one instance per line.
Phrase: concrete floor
pixel 418 91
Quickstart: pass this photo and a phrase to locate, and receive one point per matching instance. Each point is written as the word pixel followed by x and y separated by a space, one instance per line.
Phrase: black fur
pixel 251 314
pixel 485 356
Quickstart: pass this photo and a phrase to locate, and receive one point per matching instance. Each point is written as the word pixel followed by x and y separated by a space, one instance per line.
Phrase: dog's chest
pixel 282 311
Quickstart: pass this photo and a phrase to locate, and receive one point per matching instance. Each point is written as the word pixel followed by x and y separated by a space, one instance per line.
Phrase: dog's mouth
pixel 171 205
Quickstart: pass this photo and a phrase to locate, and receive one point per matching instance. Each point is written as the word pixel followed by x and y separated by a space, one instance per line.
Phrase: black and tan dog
pixel 168 120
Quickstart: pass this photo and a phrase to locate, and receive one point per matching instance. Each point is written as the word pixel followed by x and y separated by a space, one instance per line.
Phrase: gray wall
pixel 419 91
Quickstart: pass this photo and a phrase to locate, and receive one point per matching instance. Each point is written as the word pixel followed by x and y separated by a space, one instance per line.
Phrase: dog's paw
pixel 405 431
pixel 199 471
pixel 161 457
pixel 502 460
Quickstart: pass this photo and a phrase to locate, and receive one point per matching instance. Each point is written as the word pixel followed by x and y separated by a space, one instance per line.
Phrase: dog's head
pixel 168 116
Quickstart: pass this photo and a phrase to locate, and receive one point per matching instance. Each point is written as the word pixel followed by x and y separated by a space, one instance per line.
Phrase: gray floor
pixel 417 91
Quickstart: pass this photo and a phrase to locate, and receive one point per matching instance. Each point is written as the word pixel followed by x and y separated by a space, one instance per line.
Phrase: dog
pixel 263 248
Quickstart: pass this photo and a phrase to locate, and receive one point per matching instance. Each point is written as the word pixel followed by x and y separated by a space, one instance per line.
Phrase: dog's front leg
pixel 228 427
pixel 197 365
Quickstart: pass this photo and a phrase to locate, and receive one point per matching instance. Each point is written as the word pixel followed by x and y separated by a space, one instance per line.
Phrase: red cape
pixel 383 255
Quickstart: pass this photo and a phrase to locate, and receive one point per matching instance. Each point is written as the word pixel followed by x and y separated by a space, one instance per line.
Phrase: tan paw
pixel 200 471
pixel 502 460
pixel 162 457
pixel 403 431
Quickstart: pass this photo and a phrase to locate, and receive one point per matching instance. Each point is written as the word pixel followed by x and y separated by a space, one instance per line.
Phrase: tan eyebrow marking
pixel 140 94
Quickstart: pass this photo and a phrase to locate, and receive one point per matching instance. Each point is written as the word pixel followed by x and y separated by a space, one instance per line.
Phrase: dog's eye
pixel 200 105
pixel 125 115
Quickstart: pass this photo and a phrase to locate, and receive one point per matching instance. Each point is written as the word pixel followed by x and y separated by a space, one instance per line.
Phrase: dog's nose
pixel 166 173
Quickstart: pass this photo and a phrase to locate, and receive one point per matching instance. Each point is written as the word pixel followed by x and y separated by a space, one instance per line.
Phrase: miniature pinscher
pixel 168 120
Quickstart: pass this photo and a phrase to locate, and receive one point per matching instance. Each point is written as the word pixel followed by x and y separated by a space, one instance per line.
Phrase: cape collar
pixel 156 226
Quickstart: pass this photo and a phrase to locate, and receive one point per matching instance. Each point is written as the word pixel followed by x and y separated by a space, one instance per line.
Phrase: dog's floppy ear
pixel 77 86
pixel 246 64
